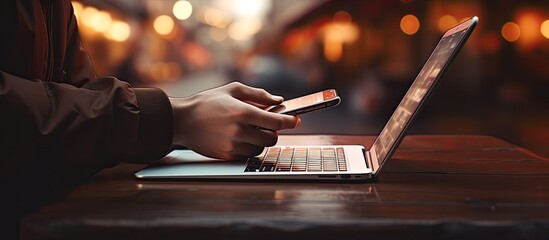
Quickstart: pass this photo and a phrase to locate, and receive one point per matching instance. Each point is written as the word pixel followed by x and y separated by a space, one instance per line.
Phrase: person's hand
pixel 228 122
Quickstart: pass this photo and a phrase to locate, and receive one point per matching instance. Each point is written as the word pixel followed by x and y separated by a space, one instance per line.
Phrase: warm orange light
pixel 88 13
pixel 409 24
pixel 544 28
pixel 217 18
pixel 337 33
pixel 510 31
pixel 333 51
pixel 446 22
pixel 163 25
pixel 245 29
pixel 340 32
pixel 119 32
pixel 529 27
pixel 101 21
pixel 78 7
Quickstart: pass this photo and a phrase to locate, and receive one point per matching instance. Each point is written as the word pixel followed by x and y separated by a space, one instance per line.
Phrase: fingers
pixel 255 136
pixel 256 96
pixel 268 120
pixel 256 116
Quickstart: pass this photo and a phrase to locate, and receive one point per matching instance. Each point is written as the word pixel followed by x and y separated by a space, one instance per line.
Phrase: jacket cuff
pixel 155 131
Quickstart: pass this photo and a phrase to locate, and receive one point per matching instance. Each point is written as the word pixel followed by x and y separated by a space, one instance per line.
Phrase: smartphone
pixel 312 102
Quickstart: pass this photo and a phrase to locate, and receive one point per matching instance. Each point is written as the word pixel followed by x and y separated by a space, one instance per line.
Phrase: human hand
pixel 228 122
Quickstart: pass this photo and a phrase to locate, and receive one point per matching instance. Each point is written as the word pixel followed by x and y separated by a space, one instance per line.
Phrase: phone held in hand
pixel 308 103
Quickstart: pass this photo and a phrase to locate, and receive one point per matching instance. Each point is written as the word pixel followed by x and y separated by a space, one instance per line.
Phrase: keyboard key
pixel 267 168
pixel 251 169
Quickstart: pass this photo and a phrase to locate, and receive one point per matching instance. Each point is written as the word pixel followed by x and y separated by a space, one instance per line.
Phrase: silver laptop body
pixel 335 162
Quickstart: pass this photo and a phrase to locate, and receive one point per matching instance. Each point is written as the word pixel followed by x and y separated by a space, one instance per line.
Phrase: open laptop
pixel 335 162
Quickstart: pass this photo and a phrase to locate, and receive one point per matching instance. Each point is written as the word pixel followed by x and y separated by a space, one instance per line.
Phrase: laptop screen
pixel 392 133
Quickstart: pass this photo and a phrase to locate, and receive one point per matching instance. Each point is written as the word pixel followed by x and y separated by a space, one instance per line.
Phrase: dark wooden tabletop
pixel 442 187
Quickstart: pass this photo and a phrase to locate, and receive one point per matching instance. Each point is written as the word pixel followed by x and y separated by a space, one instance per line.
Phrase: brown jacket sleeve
pixel 101 123
pixel 62 110
pixel 60 124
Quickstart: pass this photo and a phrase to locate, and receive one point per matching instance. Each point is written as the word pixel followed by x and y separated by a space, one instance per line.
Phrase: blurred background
pixel 369 51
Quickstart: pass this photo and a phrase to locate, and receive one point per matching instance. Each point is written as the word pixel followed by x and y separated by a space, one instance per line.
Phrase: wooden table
pixel 443 187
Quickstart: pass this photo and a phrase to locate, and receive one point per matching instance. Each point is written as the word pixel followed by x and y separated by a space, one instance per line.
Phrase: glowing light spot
pixel 529 23
pixel 244 30
pixel 217 18
pixel 335 35
pixel 163 25
pixel 446 22
pixel 88 14
pixel 340 32
pixel 247 9
pixel 182 9
pixel 333 51
pixel 510 31
pixel 101 21
pixel 78 8
pixel 120 31
pixel 409 24
pixel 544 28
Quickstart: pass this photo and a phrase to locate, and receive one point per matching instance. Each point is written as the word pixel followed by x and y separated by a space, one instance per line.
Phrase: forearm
pixel 91 127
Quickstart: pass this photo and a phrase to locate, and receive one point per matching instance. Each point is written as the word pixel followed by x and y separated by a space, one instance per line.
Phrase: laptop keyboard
pixel 299 159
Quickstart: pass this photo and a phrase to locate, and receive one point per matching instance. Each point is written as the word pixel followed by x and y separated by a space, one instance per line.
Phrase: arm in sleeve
pixel 105 119
pixel 152 132
pixel 53 136
pixel 57 133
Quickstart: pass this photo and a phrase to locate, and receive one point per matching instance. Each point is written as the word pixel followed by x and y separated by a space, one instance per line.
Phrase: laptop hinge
pixel 368 158
pixel 370 161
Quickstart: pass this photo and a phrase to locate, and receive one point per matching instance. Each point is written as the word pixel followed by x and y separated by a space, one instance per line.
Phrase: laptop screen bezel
pixel 467 26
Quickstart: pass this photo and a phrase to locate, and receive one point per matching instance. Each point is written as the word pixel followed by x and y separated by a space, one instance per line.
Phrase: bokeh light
pixel 88 14
pixel 217 18
pixel 245 29
pixel 182 9
pixel 101 21
pixel 529 23
pixel 337 33
pixel 409 24
pixel 446 22
pixel 510 31
pixel 78 8
pixel 163 25
pixel 544 28
pixel 119 32
pixel 247 8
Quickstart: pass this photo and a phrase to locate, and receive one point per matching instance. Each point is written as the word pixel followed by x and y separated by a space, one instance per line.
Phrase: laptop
pixel 334 162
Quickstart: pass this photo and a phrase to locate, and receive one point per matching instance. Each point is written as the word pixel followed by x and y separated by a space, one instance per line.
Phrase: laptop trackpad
pixel 187 163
